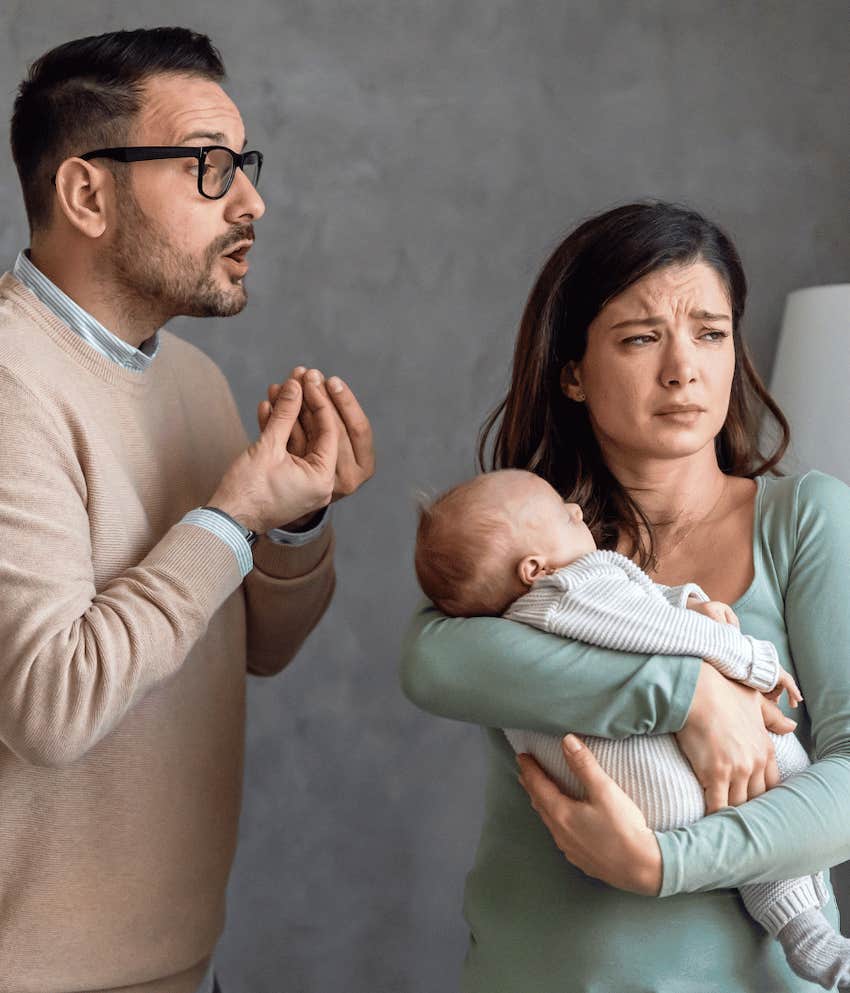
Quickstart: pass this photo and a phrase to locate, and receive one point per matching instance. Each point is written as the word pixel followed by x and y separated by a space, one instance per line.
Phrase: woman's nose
pixel 678 368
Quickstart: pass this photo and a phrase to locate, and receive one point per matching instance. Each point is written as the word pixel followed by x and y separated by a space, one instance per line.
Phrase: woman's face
pixel 657 372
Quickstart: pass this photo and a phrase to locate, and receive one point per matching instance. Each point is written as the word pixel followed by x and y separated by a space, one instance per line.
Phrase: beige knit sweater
pixel 124 643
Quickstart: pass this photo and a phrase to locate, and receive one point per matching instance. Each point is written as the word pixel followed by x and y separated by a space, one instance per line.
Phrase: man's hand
pixel 605 835
pixel 268 484
pixel 356 453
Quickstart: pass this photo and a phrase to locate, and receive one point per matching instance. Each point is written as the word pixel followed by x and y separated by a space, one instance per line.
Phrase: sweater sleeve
pixel 618 607
pixel 286 594
pixel 493 672
pixel 290 586
pixel 75 659
pixel 803 824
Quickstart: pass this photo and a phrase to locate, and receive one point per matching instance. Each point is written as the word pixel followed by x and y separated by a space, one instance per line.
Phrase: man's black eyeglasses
pixel 217 164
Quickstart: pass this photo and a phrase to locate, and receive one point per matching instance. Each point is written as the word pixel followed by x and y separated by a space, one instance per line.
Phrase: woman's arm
pixel 804 824
pixel 497 673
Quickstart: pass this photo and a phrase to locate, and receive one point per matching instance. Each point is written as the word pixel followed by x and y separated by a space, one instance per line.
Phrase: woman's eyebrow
pixel 702 315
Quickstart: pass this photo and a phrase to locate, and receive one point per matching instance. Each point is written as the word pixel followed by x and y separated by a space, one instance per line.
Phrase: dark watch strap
pixel 250 536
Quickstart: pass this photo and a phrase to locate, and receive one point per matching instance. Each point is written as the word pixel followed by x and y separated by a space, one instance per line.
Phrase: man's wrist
pixel 302 524
pixel 312 527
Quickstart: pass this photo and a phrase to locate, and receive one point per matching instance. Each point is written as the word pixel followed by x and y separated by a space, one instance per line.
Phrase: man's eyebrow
pixel 702 315
pixel 216 137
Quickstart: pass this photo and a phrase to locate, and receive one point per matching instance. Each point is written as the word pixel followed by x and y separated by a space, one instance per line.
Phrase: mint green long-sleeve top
pixel 539 925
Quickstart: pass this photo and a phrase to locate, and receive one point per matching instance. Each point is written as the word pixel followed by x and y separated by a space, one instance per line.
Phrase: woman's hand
pixel 726 742
pixel 604 835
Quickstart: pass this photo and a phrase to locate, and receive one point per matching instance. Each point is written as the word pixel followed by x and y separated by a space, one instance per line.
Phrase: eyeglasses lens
pixel 251 166
pixel 218 168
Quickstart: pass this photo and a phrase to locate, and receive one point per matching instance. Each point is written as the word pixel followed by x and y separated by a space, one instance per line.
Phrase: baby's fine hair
pixel 463 549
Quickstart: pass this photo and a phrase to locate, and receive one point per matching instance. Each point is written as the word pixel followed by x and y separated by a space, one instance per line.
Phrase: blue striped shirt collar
pixel 82 323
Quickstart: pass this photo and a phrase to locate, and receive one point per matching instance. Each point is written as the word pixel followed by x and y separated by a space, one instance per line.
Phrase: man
pixel 135 589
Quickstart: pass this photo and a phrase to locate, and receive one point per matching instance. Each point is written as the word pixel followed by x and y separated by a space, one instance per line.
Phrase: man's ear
pixel 530 568
pixel 571 383
pixel 85 195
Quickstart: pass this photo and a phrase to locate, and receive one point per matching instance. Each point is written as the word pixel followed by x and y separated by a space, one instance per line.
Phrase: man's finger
pixel 584 766
pixel 284 413
pixel 356 423
pixel 323 434
pixel 545 795
pixel 297 439
pixel 264 409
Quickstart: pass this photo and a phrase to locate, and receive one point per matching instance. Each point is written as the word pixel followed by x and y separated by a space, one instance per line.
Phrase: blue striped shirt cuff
pixel 297 538
pixel 228 533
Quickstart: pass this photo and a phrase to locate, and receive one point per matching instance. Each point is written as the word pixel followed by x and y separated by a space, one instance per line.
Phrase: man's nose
pixel 244 203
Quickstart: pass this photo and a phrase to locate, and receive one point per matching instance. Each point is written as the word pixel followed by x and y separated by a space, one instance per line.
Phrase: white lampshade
pixel 811 378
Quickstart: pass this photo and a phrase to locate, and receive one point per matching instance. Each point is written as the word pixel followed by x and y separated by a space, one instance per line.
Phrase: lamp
pixel 811 378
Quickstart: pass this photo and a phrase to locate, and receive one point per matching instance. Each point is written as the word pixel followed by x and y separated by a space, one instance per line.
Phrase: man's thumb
pixel 285 410
pixel 583 764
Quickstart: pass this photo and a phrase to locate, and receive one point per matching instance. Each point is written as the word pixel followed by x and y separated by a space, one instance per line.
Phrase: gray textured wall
pixel 421 159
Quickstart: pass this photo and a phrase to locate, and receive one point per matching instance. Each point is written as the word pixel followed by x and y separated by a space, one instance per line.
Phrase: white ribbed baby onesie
pixel 604 599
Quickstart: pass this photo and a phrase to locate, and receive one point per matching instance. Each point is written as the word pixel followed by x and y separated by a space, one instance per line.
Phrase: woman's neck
pixel 672 492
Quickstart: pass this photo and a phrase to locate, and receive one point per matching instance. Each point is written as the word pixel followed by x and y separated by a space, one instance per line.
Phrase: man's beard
pixel 161 277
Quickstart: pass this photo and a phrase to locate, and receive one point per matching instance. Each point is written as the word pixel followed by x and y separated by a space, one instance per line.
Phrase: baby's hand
pixel 716 610
pixel 786 683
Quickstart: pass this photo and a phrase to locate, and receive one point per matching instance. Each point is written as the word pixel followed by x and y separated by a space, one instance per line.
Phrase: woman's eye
pixel 712 334
pixel 639 339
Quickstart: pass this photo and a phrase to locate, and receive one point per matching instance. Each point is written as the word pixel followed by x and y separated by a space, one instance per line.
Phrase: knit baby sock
pixel 815 951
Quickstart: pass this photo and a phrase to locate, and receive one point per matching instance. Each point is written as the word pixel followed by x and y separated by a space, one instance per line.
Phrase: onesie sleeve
pixel 803 824
pixel 606 600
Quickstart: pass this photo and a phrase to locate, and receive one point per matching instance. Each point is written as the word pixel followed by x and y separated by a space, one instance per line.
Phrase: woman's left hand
pixel 604 835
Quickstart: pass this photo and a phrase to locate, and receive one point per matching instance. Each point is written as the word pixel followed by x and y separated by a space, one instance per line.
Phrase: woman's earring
pixel 580 396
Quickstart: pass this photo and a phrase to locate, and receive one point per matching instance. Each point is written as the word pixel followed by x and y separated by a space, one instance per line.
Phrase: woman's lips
pixel 681 415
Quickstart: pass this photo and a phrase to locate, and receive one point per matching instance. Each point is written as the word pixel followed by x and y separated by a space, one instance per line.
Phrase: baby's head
pixel 482 544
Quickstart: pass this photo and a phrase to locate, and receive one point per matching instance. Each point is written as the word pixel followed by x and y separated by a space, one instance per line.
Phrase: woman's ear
pixel 530 568
pixel 571 383
pixel 82 195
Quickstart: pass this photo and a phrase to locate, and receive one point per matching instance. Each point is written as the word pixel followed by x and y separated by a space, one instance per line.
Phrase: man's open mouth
pixel 238 254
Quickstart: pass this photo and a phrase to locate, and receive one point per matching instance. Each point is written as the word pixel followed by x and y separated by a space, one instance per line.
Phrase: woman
pixel 632 393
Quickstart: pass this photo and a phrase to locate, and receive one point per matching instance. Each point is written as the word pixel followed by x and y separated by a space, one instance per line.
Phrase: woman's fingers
pixel 774 719
pixel 716 796
pixel 738 792
pixel 584 766
pixel 756 785
pixel 771 770
pixel 544 794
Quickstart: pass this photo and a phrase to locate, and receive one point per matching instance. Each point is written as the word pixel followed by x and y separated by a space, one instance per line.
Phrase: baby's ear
pixel 530 568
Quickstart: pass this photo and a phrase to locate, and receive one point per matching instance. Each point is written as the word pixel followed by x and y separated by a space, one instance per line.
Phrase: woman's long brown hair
pixel 536 427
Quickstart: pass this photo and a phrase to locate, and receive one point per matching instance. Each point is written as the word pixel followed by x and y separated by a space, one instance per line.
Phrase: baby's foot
pixel 816 951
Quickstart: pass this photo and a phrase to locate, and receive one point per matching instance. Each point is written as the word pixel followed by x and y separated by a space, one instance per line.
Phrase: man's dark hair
pixel 84 95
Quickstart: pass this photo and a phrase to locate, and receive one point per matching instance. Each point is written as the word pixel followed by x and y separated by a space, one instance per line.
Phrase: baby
pixel 505 543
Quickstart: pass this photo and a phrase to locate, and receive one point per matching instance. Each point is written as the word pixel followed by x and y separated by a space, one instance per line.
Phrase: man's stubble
pixel 159 276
